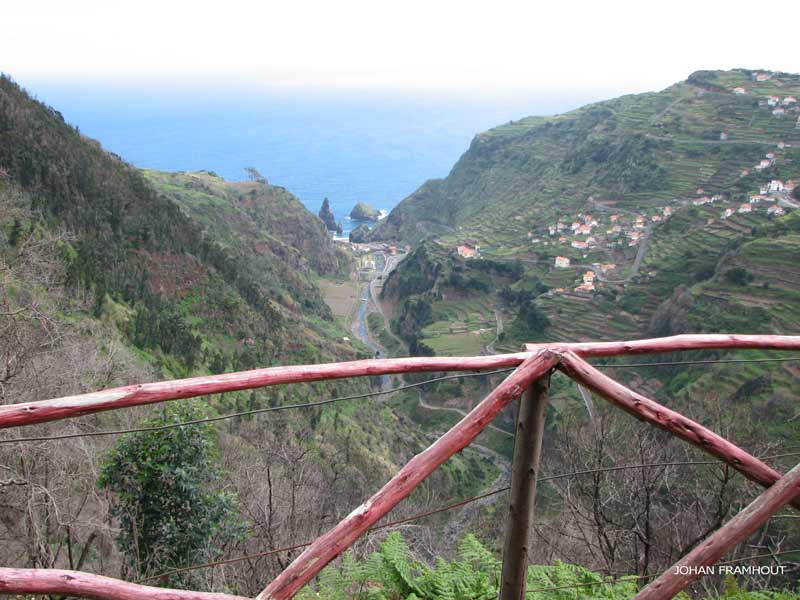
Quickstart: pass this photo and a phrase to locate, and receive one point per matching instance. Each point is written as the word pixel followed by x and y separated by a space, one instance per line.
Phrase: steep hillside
pixel 637 151
pixel 189 291
pixel 265 227
pixel 652 214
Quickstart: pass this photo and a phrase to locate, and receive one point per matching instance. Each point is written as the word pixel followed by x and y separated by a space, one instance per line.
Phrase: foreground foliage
pixel 168 510
pixel 392 573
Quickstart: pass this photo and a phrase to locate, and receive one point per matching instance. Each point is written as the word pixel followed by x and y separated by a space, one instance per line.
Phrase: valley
pixel 647 215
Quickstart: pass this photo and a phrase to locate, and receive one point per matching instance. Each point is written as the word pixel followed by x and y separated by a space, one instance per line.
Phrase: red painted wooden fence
pixel 538 360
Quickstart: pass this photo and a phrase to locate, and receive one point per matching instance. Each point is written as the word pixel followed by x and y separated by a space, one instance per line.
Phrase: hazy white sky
pixel 488 47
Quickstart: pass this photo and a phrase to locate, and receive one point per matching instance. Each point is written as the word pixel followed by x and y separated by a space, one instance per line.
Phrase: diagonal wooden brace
pixel 734 532
pixel 669 420
pixel 327 547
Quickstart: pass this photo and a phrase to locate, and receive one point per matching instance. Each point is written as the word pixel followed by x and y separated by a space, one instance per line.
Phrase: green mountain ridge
pixel 657 205
pixel 637 150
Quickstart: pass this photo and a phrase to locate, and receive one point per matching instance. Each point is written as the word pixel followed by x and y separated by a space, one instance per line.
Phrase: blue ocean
pixel 346 146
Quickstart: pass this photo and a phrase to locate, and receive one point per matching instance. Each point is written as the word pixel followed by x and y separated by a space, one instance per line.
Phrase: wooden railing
pixel 533 369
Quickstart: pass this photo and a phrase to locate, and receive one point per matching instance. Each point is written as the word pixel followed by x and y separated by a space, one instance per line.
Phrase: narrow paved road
pixel 637 262
pixel 460 411
pixel 498 319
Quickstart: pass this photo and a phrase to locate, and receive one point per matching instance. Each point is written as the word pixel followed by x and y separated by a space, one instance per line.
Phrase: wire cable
pixel 365 395
pixel 700 362
pixel 437 511
pixel 249 412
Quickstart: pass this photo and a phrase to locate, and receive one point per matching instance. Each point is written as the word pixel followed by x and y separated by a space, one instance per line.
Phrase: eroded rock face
pixel 326 214
pixel 359 234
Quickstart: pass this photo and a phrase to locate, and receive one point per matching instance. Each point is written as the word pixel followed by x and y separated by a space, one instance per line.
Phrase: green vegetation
pixel 626 157
pixel 170 513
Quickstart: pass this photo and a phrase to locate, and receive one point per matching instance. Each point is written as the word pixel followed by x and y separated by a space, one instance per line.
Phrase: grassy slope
pixel 632 155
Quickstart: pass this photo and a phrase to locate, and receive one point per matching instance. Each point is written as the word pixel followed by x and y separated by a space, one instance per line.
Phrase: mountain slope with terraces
pixel 651 214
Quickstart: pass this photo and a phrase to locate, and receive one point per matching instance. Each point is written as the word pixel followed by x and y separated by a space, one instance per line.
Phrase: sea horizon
pixel 349 146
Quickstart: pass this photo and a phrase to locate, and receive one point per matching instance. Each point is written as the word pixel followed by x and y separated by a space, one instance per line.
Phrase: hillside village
pixel 593 244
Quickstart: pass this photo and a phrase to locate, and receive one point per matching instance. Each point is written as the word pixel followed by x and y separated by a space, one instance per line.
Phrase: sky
pixel 486 48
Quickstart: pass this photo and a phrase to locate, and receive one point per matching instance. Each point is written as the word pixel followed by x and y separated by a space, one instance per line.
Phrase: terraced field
pixel 634 156
pixel 461 327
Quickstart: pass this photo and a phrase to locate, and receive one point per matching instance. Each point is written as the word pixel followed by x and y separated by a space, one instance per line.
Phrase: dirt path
pixel 461 412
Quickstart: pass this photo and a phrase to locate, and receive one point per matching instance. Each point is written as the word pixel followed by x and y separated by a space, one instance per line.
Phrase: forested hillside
pixel 111 276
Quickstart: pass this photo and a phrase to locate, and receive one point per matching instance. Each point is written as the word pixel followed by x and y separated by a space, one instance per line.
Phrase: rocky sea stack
pixel 364 212
pixel 326 214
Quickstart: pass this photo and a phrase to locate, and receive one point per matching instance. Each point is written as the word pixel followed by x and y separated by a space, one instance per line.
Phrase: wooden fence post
pixel 525 470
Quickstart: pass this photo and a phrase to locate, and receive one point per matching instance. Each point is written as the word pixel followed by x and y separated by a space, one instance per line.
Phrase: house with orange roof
pixel 562 262
pixel 466 251
pixel 745 208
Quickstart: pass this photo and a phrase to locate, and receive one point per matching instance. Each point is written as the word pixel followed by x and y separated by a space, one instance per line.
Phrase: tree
pixel 533 317
pixel 169 513
pixel 253 174
pixel 16 232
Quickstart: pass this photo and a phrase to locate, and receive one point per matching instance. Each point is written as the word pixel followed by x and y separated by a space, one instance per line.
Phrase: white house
pixel 739 90
pixel 562 262
pixel 728 212
pixel 745 208
pixel 775 210
pixel 789 100
pixel 776 185
pixel 778 112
